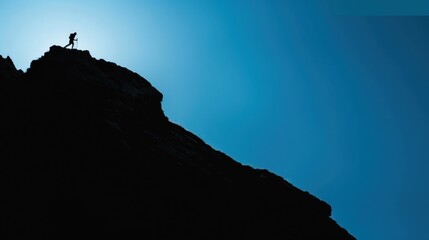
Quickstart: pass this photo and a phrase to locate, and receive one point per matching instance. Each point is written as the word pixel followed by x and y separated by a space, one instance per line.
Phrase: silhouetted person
pixel 71 40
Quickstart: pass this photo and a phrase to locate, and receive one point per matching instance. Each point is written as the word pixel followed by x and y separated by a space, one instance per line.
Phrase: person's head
pixel 74 33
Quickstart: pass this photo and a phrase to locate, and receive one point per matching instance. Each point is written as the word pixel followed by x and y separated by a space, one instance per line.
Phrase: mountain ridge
pixel 92 136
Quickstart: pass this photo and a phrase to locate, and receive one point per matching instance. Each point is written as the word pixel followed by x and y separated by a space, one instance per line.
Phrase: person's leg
pixel 71 42
pixel 72 45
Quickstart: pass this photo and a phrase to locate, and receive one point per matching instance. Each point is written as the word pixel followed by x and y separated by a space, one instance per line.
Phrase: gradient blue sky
pixel 331 95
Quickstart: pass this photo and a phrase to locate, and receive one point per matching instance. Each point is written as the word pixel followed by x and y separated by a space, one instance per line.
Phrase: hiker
pixel 71 40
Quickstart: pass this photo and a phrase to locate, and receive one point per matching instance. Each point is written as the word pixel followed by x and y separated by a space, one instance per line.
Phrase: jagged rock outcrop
pixel 88 152
pixel 8 71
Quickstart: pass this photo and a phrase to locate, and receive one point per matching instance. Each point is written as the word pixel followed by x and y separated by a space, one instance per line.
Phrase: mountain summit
pixel 88 152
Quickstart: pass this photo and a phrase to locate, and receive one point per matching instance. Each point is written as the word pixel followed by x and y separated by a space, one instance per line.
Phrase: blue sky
pixel 330 95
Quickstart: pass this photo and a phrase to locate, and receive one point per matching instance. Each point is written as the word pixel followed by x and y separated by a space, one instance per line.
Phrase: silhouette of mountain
pixel 88 152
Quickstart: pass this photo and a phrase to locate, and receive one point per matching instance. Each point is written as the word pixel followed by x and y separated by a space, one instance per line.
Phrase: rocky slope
pixel 88 152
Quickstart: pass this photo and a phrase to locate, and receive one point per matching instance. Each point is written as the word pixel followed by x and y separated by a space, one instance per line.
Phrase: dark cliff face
pixel 89 152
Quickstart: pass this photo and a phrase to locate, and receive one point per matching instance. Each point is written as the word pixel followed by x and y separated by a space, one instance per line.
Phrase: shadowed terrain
pixel 88 152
